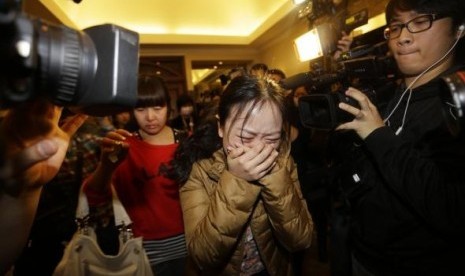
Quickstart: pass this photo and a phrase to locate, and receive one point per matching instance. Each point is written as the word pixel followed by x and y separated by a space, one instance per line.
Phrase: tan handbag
pixel 83 255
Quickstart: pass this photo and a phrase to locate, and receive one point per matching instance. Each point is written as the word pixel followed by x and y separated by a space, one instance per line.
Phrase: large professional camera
pixel 455 83
pixel 92 71
pixel 365 67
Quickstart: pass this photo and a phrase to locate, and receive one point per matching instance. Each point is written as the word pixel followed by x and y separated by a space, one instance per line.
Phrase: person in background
pixel 33 147
pixel 276 75
pixel 237 72
pixel 131 162
pixel 404 175
pixel 259 70
pixel 115 121
pixel 233 73
pixel 121 120
pixel 186 118
pixel 244 212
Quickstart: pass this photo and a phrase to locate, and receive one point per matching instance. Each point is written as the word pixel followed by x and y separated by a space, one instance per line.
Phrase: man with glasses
pixel 405 178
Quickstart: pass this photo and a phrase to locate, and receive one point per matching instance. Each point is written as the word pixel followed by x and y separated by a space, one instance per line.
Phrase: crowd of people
pixel 232 192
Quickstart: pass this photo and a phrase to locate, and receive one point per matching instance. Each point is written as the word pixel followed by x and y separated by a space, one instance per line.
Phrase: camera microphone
pixel 309 79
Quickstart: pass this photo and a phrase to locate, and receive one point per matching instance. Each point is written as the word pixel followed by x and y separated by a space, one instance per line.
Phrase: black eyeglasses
pixel 416 25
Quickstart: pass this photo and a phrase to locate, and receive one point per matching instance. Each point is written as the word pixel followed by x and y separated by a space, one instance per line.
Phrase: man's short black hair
pixel 449 8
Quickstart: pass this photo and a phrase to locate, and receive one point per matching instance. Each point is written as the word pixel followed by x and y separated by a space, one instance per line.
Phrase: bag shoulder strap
pixel 121 216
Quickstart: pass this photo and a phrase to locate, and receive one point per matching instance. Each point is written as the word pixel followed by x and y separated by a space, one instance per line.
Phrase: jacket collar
pixel 215 165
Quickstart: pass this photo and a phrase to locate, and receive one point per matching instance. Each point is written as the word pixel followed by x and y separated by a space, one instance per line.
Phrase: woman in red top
pixel 131 163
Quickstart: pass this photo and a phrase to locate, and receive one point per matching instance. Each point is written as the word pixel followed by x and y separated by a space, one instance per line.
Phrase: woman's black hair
pixel 152 91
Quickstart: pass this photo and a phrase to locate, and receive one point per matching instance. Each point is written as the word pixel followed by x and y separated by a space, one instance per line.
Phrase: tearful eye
pixel 246 139
pixel 273 141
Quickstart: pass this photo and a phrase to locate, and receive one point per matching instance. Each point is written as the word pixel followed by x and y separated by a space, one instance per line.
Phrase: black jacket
pixel 408 197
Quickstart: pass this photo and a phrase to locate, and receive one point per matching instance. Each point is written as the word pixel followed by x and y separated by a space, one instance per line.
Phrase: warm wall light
pixel 319 41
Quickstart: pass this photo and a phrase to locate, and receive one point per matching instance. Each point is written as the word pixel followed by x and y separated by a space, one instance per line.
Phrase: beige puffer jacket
pixel 217 206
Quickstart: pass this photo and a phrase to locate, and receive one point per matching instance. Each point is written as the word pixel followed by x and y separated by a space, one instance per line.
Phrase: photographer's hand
pixel 34 149
pixel 343 45
pixel 35 145
pixel 367 118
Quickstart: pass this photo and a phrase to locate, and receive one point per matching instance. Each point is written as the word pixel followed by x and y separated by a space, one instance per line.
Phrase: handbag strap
pixel 120 214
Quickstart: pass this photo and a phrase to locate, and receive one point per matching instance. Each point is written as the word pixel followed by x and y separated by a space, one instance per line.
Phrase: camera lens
pixel 68 62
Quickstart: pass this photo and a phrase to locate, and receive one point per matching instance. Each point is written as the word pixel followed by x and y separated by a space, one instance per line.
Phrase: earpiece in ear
pixel 460 31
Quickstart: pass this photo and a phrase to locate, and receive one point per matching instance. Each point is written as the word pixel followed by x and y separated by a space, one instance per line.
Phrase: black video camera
pixel 455 83
pixel 92 71
pixel 365 68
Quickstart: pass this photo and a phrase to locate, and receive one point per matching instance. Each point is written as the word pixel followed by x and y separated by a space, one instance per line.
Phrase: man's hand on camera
pixel 367 118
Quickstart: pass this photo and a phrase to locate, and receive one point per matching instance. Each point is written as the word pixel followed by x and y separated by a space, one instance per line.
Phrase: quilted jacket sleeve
pixel 287 208
pixel 215 214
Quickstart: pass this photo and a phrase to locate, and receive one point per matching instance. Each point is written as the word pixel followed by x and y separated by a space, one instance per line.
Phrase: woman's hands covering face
pixel 251 163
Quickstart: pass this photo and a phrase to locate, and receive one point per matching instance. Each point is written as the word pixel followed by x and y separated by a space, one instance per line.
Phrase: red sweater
pixel 150 199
